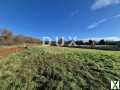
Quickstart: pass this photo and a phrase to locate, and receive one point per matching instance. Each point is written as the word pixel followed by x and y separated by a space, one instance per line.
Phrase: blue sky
pixel 84 19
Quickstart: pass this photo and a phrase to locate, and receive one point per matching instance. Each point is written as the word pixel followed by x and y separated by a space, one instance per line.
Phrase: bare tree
pixel 7 36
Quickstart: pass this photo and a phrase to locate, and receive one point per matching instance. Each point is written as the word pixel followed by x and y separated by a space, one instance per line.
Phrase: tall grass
pixel 52 68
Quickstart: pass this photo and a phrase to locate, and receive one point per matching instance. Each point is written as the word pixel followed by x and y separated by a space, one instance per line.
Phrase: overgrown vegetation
pixel 8 38
pixel 52 68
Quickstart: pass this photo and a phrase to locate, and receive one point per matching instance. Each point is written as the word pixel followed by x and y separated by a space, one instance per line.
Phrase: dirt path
pixel 7 51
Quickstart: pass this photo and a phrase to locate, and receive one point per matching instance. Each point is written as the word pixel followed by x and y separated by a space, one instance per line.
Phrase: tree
pixel 7 36
pixel 102 42
pixel 19 39
pixel 90 42
pixel 118 43
pixel 79 42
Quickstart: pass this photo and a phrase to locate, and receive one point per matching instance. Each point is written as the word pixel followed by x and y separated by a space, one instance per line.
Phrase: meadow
pixel 59 68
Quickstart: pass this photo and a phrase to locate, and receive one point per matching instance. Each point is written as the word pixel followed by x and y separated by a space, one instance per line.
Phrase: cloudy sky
pixel 84 19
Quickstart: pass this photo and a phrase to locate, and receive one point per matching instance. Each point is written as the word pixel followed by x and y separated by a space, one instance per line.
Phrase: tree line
pixel 8 38
pixel 89 42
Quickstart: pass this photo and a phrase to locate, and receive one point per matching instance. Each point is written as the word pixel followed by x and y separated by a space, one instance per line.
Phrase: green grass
pixel 54 68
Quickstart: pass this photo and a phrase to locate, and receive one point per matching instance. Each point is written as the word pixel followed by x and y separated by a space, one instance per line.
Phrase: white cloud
pixel 116 16
pixel 103 3
pixel 94 25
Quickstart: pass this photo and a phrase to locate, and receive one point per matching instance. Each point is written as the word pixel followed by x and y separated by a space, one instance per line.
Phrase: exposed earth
pixel 7 51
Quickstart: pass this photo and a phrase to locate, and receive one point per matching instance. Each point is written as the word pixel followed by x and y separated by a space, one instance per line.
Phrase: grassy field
pixel 55 68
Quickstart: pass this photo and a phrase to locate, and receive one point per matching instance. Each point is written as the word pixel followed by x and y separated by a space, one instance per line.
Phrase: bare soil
pixel 7 51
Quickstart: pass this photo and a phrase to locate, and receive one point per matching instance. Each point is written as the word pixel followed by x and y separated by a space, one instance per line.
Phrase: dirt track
pixel 7 51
